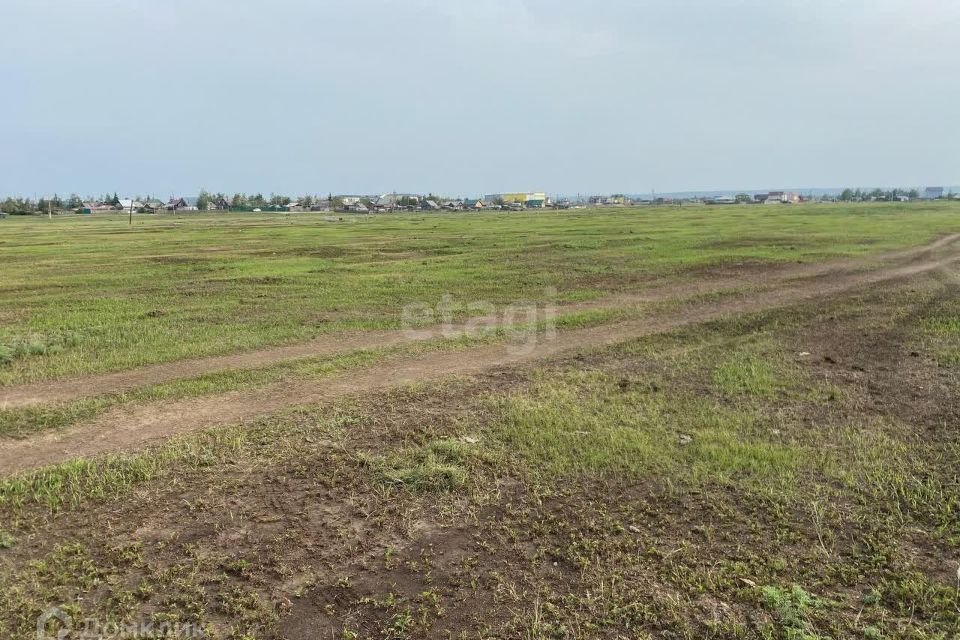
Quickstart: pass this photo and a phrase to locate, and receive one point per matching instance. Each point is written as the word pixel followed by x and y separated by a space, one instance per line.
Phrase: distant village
pixel 394 202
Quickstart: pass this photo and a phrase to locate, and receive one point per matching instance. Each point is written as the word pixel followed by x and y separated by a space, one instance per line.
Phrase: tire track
pixel 69 389
pixel 132 427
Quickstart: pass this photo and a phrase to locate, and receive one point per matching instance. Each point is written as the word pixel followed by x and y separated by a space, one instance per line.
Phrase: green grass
pixel 690 484
pixel 707 482
pixel 83 294
pixel 434 467
pixel 940 331
pixel 791 607
pixel 25 421
pixel 72 483
pixel 746 375
pixel 587 424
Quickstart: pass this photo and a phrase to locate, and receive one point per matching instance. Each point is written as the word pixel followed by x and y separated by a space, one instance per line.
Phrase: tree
pixel 74 202
pixel 239 201
pixel 203 200
pixel 18 206
pixel 115 201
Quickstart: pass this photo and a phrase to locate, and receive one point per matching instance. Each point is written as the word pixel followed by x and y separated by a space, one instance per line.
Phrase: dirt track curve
pixel 69 389
pixel 131 427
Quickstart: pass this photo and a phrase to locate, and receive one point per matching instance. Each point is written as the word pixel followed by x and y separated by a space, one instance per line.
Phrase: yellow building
pixel 526 199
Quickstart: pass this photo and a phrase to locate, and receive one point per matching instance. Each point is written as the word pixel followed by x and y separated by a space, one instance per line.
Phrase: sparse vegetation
pixel 172 288
pixel 788 474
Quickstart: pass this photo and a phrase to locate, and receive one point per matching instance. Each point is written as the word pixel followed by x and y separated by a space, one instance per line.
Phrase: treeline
pixel 854 195
pixel 252 201
pixel 27 206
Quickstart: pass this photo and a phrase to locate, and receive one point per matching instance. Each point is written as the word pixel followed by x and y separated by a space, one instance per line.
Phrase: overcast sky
pixel 468 97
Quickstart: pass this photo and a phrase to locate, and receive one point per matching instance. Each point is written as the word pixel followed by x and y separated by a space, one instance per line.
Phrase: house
pixel 723 200
pixel 395 201
pixel 176 204
pixel 453 205
pixel 182 204
pixel 90 207
pixel 350 200
pixel 386 202
pixel 536 200
pixel 294 207
pixel 470 203
pixel 152 205
pixel 782 197
pixel 933 193
pixel 320 205
pixel 429 205
pixel 219 204
pixel 127 204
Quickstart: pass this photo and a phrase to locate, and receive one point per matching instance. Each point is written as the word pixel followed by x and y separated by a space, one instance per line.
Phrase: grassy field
pixel 81 295
pixel 783 474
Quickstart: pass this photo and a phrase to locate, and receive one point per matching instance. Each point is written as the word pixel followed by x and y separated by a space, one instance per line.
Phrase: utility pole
pixel 49 209
pixel 131 212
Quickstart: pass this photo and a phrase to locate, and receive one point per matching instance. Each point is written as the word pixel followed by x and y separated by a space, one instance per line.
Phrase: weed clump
pixel 20 347
pixel 435 467
pixel 792 608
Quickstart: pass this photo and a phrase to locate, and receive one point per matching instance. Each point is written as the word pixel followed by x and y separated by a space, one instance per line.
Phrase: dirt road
pixel 132 427
pixel 66 390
